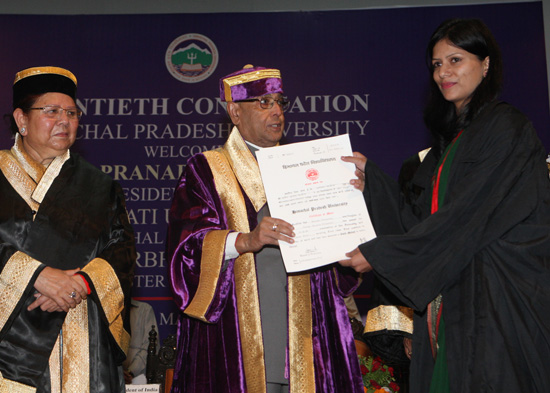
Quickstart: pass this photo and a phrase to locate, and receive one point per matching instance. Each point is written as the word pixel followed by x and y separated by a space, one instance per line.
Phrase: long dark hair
pixel 440 116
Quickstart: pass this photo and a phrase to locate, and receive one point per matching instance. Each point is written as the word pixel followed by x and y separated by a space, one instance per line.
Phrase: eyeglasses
pixel 268 102
pixel 55 112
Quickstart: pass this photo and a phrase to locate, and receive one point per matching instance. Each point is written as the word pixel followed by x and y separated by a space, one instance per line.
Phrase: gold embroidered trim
pixel 250 322
pixel 22 183
pixel 247 77
pixel 122 337
pixel 246 286
pixel 252 76
pixel 42 176
pixel 49 176
pixel 34 169
pixel 213 248
pixel 55 367
pixel 31 180
pixel 14 279
pixel 44 70
pixel 76 353
pixel 390 318
pixel 111 298
pixel 8 386
pixel 76 350
pixel 245 168
pixel 300 341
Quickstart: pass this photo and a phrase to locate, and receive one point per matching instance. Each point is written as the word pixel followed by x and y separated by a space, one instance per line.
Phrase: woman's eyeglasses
pixel 55 112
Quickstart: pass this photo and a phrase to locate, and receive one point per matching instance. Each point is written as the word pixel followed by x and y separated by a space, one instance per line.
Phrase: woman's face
pixel 457 72
pixel 46 137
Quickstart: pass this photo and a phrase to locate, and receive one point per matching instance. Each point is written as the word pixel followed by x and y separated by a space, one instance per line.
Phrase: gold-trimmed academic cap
pixel 40 80
pixel 250 82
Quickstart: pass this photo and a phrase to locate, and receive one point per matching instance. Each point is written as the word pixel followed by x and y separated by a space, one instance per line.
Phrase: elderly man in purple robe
pixel 245 324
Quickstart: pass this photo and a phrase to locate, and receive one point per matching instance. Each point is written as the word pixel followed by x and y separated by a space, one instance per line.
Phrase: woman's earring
pixel 23 131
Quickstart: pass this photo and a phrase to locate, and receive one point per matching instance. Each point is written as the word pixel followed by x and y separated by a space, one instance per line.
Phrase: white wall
pixel 58 7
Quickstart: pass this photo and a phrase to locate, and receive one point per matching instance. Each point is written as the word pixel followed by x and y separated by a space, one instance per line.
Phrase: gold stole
pixel 31 181
pixel 233 165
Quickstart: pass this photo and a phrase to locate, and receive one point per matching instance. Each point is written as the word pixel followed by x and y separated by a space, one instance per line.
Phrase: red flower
pixel 394 386
pixel 374 384
pixel 364 370
pixel 390 369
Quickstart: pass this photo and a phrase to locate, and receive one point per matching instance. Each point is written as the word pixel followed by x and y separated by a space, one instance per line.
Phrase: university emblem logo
pixel 191 58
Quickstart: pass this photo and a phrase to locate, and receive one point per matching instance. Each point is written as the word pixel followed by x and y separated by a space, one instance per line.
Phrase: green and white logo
pixel 191 58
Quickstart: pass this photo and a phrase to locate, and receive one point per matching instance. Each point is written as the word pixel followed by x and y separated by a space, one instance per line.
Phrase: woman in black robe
pixel 471 254
pixel 67 250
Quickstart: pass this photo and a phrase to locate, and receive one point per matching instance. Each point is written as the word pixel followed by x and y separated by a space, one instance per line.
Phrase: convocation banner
pixel 308 185
pixel 149 89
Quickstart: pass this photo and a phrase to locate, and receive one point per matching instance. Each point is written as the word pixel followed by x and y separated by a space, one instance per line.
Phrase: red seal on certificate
pixel 312 174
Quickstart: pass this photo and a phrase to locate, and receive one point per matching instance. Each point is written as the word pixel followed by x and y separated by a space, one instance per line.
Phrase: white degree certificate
pixel 307 185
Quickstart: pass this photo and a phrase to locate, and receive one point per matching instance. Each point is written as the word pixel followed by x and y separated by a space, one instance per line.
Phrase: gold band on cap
pixel 44 70
pixel 248 77
pixel 252 76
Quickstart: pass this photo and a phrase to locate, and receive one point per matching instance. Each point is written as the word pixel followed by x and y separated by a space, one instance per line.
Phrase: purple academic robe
pixel 211 344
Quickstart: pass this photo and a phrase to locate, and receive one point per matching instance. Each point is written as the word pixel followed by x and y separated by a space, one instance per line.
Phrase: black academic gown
pixel 82 217
pixel 486 250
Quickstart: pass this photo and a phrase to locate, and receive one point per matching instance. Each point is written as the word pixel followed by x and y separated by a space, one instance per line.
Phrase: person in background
pixel 389 323
pixel 246 325
pixel 142 319
pixel 67 250
pixel 473 254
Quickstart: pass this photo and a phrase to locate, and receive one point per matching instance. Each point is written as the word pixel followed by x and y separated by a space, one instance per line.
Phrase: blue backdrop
pixel 148 86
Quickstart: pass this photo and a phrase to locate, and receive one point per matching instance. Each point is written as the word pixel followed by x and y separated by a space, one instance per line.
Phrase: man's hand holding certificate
pixel 308 185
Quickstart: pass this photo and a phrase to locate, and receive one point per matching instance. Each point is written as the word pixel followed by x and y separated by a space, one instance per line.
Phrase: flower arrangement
pixel 377 377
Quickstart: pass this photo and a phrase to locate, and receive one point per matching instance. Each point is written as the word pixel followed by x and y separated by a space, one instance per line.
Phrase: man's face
pixel 261 127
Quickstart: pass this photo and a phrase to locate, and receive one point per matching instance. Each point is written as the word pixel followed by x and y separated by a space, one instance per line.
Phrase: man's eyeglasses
pixel 268 102
pixel 55 112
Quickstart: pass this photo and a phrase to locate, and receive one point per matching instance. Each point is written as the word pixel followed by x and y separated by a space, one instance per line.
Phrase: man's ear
pixel 234 111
